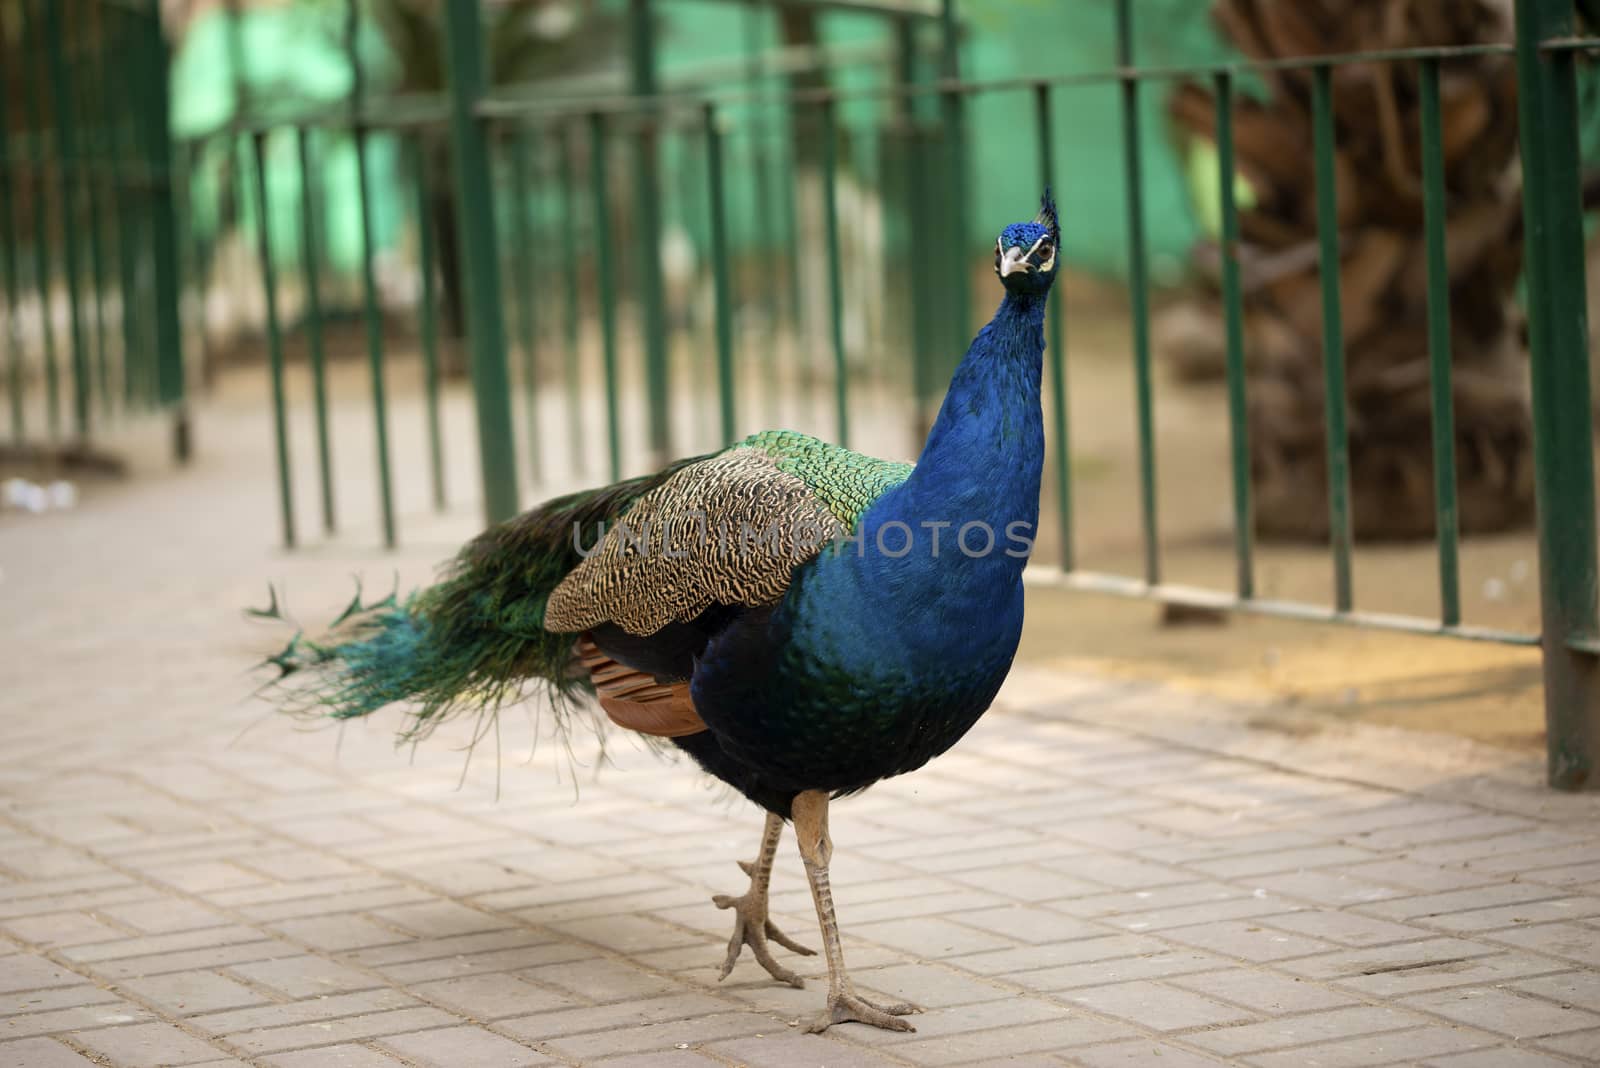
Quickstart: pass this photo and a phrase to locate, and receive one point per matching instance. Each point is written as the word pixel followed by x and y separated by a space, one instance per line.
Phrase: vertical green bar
pixel 41 220
pixel 269 285
pixel 1547 101
pixel 123 141
pixel 605 285
pixel 953 111
pixel 522 267
pixel 1044 123
pixel 169 370
pixel 719 272
pixel 1139 290
pixel 310 262
pixel 830 226
pixel 647 213
pixel 69 171
pixel 369 279
pixel 761 245
pixel 1435 212
pixel 96 166
pixel 572 317
pixel 428 305
pixel 8 264
pixel 919 235
pixel 1233 307
pixel 1339 528
pixel 491 385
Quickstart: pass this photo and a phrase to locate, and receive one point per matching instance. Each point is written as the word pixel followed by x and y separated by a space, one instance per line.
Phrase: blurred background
pixel 433 261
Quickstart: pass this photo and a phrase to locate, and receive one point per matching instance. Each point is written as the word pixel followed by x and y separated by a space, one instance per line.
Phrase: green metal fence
pixel 552 244
pixel 88 220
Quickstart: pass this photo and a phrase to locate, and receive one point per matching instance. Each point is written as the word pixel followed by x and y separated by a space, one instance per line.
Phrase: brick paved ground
pixel 1101 875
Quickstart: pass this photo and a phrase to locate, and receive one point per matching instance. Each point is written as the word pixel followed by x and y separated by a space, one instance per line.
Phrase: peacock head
pixel 1025 253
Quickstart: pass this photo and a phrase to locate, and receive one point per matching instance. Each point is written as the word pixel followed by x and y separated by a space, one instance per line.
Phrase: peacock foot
pixel 752 928
pixel 853 1008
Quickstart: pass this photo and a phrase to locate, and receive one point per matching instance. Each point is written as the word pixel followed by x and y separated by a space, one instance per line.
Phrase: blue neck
pixel 985 453
pixel 980 468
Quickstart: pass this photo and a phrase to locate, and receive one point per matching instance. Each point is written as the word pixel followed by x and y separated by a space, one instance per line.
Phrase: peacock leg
pixel 844 1004
pixel 751 927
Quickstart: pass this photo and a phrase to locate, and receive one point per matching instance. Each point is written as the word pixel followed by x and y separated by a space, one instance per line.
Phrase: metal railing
pixel 915 127
pixel 88 208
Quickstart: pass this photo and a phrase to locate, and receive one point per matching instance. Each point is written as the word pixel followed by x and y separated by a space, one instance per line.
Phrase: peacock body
pixel 801 619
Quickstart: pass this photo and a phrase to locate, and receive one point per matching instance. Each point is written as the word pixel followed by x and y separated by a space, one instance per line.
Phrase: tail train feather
pixel 474 641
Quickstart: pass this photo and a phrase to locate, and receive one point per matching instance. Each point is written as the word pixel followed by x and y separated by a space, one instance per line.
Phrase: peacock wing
pixel 725 530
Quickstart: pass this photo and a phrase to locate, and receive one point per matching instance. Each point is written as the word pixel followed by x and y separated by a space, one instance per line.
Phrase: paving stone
pixel 1419 877
pixel 1499 1057
pixel 1304 1030
pixel 676 1058
pixel 550 1025
pixel 1333 888
pixel 349 1029
pixel 290 1012
pixel 781 1051
pixel 601 979
pixel 151 1045
pixel 1263 992
pixel 994 1046
pixel 493 997
pixel 928 937
pixel 62 929
pixel 1504 1011
pixel 339 933
pixel 666 1035
pixel 339 1056
pixel 154 945
pixel 505 960
pixel 1383 960
pixel 1157 1006
pixel 1569 988
pixel 1558 909
pixel 1364 1050
pixel 1252 941
pixel 928 985
pixel 1471 971
pixel 1347 928
pixel 1034 926
pixel 188 993
pixel 164 916
pixel 462 1047
pixel 23 972
pixel 84 1017
pixel 955 1020
pixel 1160 965
pixel 1289 860
pixel 304 976
pixel 1570 941
pixel 1584 1045
pixel 1432 906
pixel 53 998
pixel 1140 1053
pixel 440 919
pixel 1030 958
pixel 40 1053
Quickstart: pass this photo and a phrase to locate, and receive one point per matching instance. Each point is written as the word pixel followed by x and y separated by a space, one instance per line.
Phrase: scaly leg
pixel 844 1004
pixel 750 925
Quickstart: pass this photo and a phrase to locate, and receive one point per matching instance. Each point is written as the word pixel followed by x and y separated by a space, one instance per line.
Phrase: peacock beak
pixel 1012 260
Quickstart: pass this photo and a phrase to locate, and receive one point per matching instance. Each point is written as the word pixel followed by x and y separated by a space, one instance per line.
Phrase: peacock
pixel 800 619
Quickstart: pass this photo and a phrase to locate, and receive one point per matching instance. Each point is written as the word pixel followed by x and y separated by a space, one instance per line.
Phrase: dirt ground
pixel 1486 692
